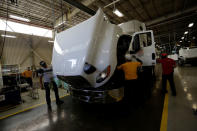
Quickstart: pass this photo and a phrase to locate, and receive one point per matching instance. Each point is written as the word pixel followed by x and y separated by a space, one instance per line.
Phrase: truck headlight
pixel 103 75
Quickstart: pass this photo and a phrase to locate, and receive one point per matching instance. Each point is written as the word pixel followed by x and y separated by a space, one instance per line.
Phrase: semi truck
pixel 86 56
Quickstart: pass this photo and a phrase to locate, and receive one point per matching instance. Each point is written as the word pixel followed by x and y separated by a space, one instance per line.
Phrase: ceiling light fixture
pixel 9 36
pixel 182 38
pixel 19 18
pixel 186 32
pixel 191 24
pixel 180 41
pixel 118 13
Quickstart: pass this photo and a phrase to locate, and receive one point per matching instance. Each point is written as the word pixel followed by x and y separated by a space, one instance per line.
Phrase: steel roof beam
pixel 80 6
pixel 169 16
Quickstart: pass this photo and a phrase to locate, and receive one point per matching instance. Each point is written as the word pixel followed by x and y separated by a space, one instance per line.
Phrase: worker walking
pixel 130 71
pixel 168 66
pixel 47 74
pixel 28 76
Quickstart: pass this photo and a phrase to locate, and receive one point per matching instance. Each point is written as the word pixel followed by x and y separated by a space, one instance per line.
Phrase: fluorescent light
pixel 118 13
pixel 182 38
pixel 180 41
pixel 191 24
pixel 9 36
pixel 19 18
pixel 50 41
pixel 186 32
pixel 189 41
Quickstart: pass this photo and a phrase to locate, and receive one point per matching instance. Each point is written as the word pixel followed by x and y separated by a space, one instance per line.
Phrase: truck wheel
pixel 180 62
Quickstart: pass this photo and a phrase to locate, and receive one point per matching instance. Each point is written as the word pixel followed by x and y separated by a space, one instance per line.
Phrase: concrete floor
pixel 116 117
pixel 180 109
pixel 29 102
pixel 84 117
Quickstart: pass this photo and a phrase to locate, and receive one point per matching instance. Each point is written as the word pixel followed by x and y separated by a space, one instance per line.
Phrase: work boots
pixel 59 102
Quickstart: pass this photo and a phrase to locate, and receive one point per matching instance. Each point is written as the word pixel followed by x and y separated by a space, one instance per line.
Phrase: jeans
pixel 29 81
pixel 47 91
pixel 170 78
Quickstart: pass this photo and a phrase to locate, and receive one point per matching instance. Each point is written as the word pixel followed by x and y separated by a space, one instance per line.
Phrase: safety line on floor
pixel 164 120
pixel 29 108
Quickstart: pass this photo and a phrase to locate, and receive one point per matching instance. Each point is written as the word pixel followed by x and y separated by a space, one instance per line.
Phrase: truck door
pixel 143 47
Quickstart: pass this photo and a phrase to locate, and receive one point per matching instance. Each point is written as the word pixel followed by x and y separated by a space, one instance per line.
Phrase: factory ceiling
pixel 168 19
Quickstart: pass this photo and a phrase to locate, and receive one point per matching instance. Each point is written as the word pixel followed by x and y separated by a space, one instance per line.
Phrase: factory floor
pixel 30 99
pixel 160 112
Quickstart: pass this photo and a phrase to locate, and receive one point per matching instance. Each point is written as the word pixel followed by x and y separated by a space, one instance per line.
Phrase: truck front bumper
pixel 97 96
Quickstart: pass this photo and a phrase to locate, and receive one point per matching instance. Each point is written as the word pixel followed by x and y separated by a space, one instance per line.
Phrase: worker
pixel 47 74
pixel 130 70
pixel 28 76
pixel 168 66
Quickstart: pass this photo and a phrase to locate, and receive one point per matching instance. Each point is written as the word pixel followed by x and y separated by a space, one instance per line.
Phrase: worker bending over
pixel 47 74
pixel 28 76
pixel 130 72
pixel 168 66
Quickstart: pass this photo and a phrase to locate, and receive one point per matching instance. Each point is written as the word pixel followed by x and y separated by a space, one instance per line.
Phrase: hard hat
pixel 164 54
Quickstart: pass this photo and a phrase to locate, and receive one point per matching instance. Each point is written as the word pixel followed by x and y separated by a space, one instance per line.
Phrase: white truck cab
pixel 86 56
pixel 142 43
pixel 188 55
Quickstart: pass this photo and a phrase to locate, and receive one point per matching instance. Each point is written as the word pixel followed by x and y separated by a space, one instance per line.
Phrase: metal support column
pixel 31 52
pixel 170 44
pixel 1 79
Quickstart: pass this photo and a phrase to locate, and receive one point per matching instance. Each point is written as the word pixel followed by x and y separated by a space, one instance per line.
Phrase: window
pixel 142 40
pixel 25 29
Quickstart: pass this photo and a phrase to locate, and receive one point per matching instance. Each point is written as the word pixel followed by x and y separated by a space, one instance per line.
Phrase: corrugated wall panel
pixel 18 50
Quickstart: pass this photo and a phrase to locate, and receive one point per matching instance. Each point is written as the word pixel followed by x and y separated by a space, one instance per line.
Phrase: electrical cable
pixel 4 38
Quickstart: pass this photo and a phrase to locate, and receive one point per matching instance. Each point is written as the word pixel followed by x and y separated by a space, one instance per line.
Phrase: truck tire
pixel 181 62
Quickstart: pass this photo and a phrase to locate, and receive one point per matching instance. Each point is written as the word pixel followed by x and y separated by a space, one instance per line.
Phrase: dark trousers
pixel 29 81
pixel 170 78
pixel 130 89
pixel 47 90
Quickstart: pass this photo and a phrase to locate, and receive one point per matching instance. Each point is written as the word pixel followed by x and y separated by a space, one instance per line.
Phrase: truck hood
pixel 93 41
